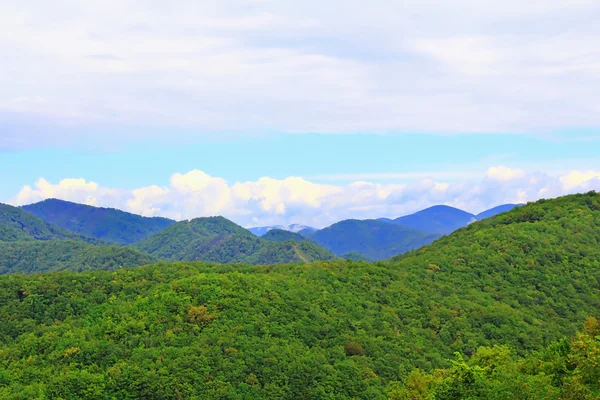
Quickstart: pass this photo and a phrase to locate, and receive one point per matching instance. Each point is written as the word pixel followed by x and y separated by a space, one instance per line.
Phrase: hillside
pixel 110 225
pixel 59 255
pixel 514 283
pixel 279 235
pixel 441 220
pixel 18 225
pixel 507 271
pixel 216 239
pixel 376 240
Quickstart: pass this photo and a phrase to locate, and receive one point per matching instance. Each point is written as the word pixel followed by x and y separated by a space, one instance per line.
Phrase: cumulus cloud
pixel 268 201
pixel 255 66
pixel 504 174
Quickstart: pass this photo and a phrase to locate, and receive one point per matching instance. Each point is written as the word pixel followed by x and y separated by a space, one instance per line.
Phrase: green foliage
pixel 58 255
pixel 110 225
pixel 481 314
pixel 279 235
pixel 18 225
pixel 216 239
pixel 374 240
pixel 493 373
pixel 523 278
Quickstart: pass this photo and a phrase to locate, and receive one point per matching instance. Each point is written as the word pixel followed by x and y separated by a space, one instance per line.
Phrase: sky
pixel 279 112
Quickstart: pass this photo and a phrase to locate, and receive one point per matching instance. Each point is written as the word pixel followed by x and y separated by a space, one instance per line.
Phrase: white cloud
pixel 254 66
pixel 504 174
pixel 268 201
pixel 577 178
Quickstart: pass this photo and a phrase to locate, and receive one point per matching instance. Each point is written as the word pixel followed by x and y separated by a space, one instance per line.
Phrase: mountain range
pixel 108 224
pixel 216 239
pixel 504 308
pixel 29 244
pixel 80 237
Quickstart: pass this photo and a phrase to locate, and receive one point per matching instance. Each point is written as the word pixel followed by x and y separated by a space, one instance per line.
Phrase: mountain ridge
pixel 110 225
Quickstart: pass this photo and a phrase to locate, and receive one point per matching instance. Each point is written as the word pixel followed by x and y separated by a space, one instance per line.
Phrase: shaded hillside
pixel 496 210
pixel 59 255
pixel 441 220
pixel 18 225
pixel 374 239
pixel 279 235
pixel 216 239
pixel 110 225
pixel 325 330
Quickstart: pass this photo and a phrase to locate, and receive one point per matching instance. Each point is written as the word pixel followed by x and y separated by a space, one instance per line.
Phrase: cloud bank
pixel 75 71
pixel 268 201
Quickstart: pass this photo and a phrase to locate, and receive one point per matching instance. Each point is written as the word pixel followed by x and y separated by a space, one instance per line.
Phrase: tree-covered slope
pixel 376 240
pixel 525 276
pixel 59 255
pixel 110 225
pixel 18 225
pixel 279 235
pixel 216 239
pixel 338 329
pixel 441 220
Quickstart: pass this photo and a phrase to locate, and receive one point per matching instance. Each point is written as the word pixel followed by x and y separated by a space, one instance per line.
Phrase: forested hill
pixel 279 235
pixel 375 240
pixel 28 244
pixel 539 262
pixel 110 225
pixel 341 329
pixel 216 239
pixel 18 225
pixel 60 255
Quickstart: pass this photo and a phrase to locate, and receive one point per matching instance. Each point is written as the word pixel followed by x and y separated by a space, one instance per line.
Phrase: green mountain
pixel 28 244
pixel 279 235
pixel 18 225
pixel 216 239
pixel 59 255
pixel 110 225
pixel 376 240
pixel 510 286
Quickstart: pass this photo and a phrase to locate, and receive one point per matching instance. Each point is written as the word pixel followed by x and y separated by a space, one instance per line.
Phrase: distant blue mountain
pixel 444 219
pixel 441 220
pixel 496 210
pixel 108 224
pixel 375 240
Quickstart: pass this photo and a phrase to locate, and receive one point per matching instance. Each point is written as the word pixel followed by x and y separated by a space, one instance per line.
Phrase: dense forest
pixel 108 224
pixel 505 308
pixel 59 255
pixel 279 235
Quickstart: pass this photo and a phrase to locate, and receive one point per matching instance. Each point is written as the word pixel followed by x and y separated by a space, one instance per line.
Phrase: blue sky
pixel 318 157
pixel 298 112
